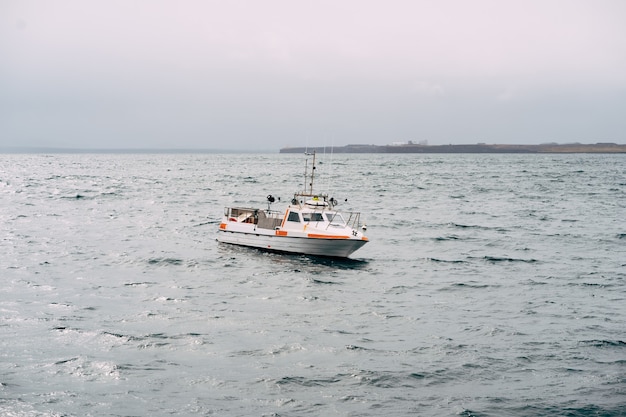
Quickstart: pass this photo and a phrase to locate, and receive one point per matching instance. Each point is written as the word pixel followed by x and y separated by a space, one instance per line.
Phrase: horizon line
pixel 70 150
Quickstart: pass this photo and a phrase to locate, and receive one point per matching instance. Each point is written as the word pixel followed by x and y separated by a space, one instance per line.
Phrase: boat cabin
pixel 333 218
pixel 297 216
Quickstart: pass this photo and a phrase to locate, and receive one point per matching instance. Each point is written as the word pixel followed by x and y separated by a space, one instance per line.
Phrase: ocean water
pixel 492 285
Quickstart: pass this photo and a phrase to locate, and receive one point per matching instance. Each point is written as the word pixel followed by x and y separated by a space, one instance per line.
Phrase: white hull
pixel 341 248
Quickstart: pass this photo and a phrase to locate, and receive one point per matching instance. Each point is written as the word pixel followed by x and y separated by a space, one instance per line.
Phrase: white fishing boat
pixel 310 225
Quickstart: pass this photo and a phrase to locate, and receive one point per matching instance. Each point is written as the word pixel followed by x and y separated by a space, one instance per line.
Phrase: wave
pixel 89 195
pixel 76 197
pixel 140 284
pixel 355 347
pixel 307 382
pixel 468 226
pixel 172 262
pixel 446 238
pixel 447 261
pixel 603 343
pixel 166 261
pixel 156 365
pixel 82 367
pixel 208 222
pixel 548 410
pixel 478 227
pixel 319 281
pixel 496 259
pixel 466 285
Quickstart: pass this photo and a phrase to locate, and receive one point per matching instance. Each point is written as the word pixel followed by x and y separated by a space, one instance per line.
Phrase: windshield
pixel 335 219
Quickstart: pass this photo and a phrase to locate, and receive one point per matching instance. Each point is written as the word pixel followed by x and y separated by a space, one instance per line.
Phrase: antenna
pixel 312 174
pixel 309 178
pixel 329 171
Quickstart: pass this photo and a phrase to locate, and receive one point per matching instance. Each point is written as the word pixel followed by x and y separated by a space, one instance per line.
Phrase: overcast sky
pixel 263 74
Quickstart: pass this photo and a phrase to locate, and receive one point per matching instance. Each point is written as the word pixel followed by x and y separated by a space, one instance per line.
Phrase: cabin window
pixel 313 217
pixel 293 217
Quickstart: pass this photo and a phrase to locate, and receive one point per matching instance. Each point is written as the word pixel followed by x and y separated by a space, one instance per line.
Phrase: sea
pixel 491 285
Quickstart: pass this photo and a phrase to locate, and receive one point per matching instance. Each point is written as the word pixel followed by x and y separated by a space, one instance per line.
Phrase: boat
pixel 310 224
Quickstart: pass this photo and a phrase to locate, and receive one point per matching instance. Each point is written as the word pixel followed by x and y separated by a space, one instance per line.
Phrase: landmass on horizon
pixel 410 147
pixel 404 147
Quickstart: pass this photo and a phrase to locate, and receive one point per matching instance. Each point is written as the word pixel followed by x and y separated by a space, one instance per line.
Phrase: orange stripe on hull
pixel 281 233
pixel 223 226
pixel 317 236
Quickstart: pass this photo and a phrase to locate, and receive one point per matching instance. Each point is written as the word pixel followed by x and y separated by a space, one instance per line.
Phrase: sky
pixel 261 75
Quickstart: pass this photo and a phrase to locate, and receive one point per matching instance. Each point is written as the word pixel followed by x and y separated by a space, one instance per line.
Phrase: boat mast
pixel 309 177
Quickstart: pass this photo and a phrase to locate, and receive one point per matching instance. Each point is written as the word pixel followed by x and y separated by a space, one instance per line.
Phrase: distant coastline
pixel 476 148
pixel 609 148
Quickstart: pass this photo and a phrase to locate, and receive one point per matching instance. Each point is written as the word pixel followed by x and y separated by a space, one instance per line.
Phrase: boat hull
pixel 331 247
